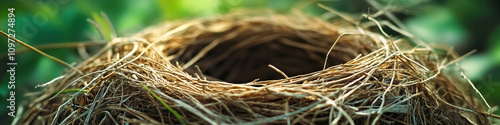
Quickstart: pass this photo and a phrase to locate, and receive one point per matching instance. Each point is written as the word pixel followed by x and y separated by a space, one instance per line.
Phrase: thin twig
pixel 44 54
pixel 279 71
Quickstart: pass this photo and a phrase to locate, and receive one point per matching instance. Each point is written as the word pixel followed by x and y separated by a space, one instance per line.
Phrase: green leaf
pixel 438 25
pixel 171 9
pixel 495 45
pixel 476 66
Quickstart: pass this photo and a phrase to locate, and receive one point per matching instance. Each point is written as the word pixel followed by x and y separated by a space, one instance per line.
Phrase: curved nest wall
pixel 242 69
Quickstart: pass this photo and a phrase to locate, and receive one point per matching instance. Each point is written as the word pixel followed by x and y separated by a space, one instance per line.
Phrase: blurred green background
pixel 463 24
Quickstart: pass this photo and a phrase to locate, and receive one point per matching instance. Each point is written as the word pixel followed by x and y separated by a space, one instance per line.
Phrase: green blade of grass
pixel 106 29
pixel 165 104
pixel 67 91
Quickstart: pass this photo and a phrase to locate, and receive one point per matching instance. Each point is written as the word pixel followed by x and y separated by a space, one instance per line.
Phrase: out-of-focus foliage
pixel 463 24
pixel 437 25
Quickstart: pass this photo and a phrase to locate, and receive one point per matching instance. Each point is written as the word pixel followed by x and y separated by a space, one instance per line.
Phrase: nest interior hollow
pixel 246 57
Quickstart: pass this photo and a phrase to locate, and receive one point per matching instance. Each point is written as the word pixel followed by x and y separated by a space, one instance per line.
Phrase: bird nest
pixel 261 69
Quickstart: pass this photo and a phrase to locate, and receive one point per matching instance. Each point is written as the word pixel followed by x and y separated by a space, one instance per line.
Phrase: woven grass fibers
pixel 261 69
